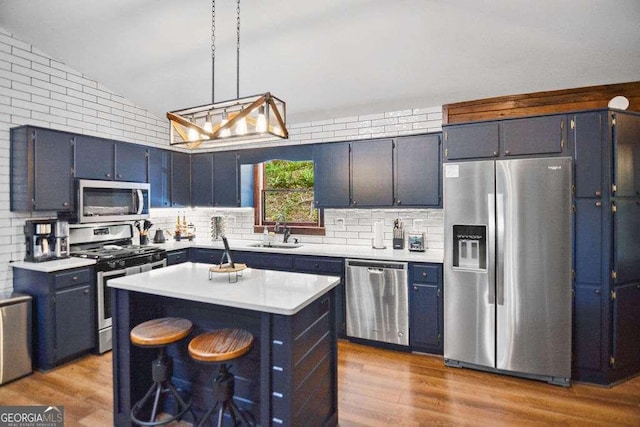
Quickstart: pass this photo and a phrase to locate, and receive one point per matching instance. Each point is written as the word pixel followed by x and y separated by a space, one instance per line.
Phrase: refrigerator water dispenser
pixel 470 247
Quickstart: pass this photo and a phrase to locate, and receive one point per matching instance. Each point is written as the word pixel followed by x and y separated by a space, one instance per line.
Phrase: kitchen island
pixel 290 375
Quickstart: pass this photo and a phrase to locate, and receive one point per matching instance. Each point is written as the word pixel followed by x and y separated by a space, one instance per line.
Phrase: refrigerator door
pixel 469 290
pixel 534 258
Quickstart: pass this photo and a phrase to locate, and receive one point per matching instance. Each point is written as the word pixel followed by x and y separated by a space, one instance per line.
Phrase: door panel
pixel 472 141
pixel 537 135
pixel 588 329
pixel 627 155
pixel 469 308
pixel 533 285
pixel 626 252
pixel 626 324
pixel 372 173
pixel 588 241
pixel 587 138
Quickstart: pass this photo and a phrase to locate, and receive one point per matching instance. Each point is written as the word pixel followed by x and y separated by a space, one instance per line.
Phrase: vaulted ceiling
pixel 335 58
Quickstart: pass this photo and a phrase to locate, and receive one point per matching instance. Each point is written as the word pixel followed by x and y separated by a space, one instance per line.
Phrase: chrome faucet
pixel 286 231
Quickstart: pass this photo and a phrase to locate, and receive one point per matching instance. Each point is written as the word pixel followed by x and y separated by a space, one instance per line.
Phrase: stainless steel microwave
pixel 100 201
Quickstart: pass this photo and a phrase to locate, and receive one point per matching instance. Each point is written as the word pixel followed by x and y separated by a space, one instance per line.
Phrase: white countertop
pixel 56 265
pixel 268 291
pixel 341 251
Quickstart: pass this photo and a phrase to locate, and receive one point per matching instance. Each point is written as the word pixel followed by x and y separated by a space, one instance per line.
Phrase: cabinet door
pixel 588 241
pixel 425 317
pixel 587 331
pixel 626 324
pixel 159 177
pixel 536 135
pixel 75 326
pixel 372 173
pixel 180 179
pixel 472 141
pixel 95 158
pixel 202 179
pixel 53 163
pixel 207 256
pixel 177 257
pixel 626 240
pixel 331 175
pixel 226 179
pixel 586 134
pixel 418 171
pixel 131 162
pixel 627 155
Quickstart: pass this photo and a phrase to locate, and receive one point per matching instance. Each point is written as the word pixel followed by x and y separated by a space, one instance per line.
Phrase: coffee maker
pixel 46 239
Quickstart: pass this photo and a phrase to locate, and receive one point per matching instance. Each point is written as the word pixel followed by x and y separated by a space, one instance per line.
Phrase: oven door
pixel 104 294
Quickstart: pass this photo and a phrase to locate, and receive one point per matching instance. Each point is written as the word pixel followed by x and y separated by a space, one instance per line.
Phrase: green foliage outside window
pixel 288 191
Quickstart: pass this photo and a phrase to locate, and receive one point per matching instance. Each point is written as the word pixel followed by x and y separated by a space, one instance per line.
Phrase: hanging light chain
pixel 213 51
pixel 238 50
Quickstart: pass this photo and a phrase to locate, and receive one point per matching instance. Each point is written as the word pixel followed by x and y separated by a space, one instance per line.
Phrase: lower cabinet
pixel 426 308
pixel 177 257
pixel 64 310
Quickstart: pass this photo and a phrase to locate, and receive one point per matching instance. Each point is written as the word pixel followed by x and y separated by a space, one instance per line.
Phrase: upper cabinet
pixel 626 155
pixel 105 159
pixel 180 179
pixel 372 173
pixel 588 134
pixel 160 177
pixel 202 179
pixel 331 175
pixel 540 136
pixel 417 171
pixel 41 170
pixel 226 179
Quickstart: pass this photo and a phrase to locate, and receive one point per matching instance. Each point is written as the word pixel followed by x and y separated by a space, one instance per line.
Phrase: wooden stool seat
pixel 159 332
pixel 220 345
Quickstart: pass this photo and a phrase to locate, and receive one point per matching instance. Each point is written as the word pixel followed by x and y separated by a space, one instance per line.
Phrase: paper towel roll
pixel 378 235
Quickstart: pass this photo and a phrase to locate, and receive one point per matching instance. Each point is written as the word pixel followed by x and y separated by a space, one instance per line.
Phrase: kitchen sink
pixel 275 245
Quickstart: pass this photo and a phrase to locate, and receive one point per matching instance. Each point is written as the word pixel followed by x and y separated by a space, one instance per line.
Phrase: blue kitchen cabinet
pixel 587 330
pixel 160 177
pixel 226 179
pixel 41 163
pixel 588 135
pixel 180 180
pixel 534 135
pixel 626 155
pixel 626 327
pixel 64 309
pixel 202 180
pixel 589 233
pixel 626 240
pixel 177 256
pixel 418 180
pixel 472 141
pixel 207 256
pixel 372 173
pixel 331 175
pixel 426 308
pixel 132 162
pixel 94 158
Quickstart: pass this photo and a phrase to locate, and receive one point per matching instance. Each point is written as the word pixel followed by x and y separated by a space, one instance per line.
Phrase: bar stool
pixel 222 345
pixel 158 333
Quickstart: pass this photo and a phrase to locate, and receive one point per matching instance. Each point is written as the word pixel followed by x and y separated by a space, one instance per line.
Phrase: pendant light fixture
pixel 249 119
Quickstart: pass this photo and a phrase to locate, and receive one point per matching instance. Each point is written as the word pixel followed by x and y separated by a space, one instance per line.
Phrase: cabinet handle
pixel 495 154
pixel 108 175
pixel 415 288
pixel 598 204
pixel 75 278
pixel 65 204
pixel 119 175
pixel 424 274
pixel 507 152
pixel 597 291
pixel 86 291
pixel 317 265
pixel 598 193
pixel 355 203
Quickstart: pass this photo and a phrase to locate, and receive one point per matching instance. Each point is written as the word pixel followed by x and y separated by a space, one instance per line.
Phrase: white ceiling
pixel 335 58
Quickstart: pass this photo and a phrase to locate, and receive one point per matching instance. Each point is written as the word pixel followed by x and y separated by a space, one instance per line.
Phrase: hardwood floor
pixel 376 388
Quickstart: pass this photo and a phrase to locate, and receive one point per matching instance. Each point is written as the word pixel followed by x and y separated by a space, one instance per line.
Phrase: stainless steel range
pixel 111 246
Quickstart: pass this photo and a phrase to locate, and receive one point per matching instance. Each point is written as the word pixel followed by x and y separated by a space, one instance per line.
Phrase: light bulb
pixel 261 122
pixel 208 125
pixel 225 132
pixel 193 135
pixel 241 127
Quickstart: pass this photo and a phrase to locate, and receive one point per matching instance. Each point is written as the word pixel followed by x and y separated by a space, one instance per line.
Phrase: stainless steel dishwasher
pixel 377 301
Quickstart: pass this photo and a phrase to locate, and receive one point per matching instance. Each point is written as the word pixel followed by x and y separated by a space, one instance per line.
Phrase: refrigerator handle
pixel 500 242
pixel 491 239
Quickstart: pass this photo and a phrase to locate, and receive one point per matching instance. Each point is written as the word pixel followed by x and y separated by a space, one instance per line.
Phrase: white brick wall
pixel 38 90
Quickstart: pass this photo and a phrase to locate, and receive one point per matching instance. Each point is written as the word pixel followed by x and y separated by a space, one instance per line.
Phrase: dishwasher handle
pixel 372 270
pixel 377 265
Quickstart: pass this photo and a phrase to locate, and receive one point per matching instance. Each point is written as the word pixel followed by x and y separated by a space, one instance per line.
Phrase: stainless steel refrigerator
pixel 508 267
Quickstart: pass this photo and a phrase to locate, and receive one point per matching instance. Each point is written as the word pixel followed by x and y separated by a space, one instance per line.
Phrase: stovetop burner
pixel 115 252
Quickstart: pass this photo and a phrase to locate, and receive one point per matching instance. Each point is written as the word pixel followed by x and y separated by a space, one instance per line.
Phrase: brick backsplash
pixel 39 90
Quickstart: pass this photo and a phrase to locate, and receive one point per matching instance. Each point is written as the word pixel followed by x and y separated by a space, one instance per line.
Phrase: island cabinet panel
pixel 372 173
pixel 303 356
pixel 331 175
pixel 417 171
pixel 64 313
pixel 426 308
pixel 160 177
pixel 626 155
pixel 535 135
pixel 587 133
pixel 180 179
pixel 264 261
pixel 471 141
pixel 41 162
